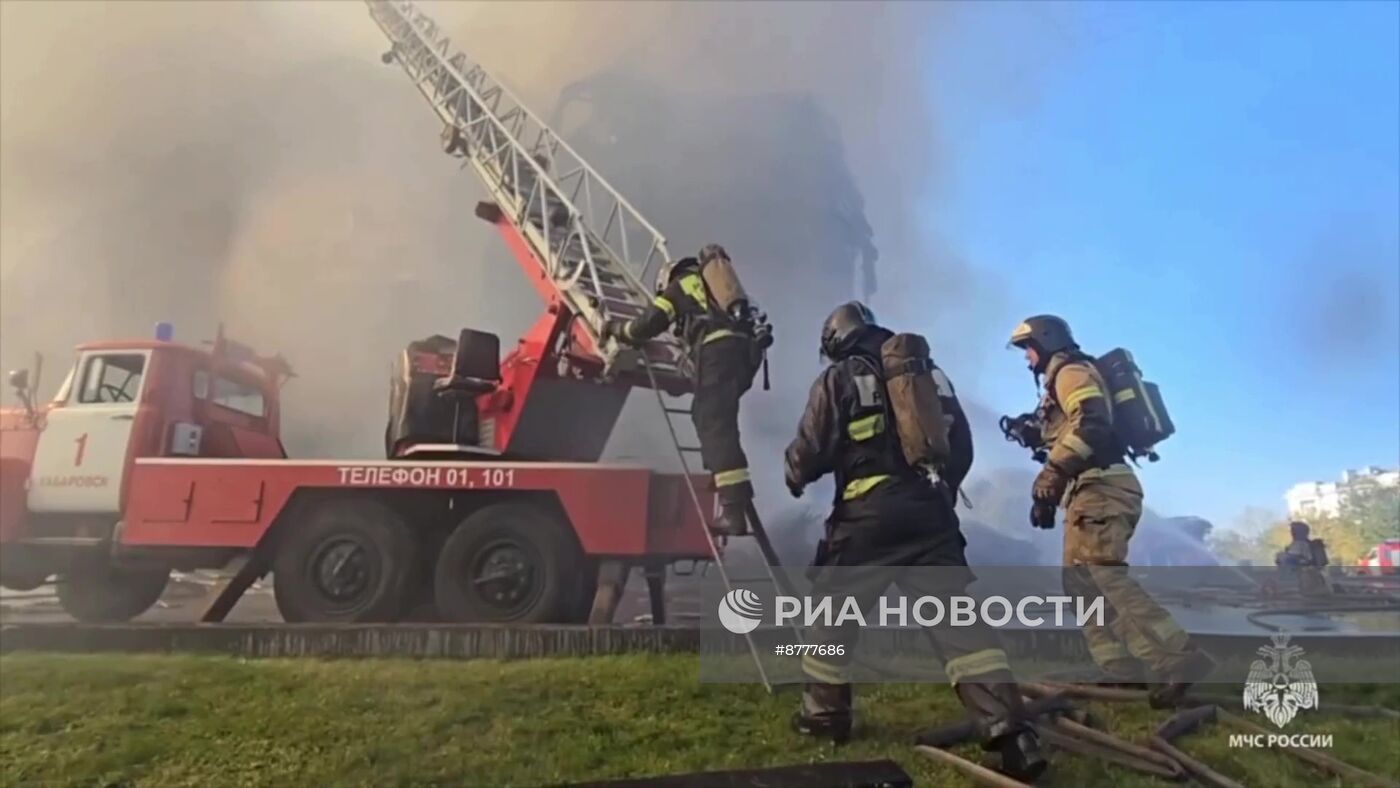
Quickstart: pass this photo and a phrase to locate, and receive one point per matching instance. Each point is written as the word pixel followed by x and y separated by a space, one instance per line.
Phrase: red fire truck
pixel 1383 559
pixel 156 455
pixel 490 503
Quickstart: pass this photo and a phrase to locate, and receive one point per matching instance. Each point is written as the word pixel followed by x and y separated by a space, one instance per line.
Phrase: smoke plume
pixel 254 164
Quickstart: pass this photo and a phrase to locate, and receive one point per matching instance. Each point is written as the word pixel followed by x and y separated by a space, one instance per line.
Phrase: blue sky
pixel 1215 186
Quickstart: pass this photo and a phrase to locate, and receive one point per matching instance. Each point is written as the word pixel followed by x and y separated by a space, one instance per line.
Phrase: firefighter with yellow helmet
pixel 702 300
pixel 1085 474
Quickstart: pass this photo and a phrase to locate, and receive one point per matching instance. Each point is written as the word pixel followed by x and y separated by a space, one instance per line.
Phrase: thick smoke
pixel 254 164
pixel 227 162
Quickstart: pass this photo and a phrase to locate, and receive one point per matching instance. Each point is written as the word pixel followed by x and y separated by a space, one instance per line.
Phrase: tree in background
pixel 1234 547
pixel 1375 512
pixel 1370 514
pixel 1244 542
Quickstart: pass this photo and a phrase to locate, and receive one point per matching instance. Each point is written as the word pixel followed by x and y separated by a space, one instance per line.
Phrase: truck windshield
pixel 114 378
pixel 232 394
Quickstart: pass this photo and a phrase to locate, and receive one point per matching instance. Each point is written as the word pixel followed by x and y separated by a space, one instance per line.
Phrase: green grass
pixel 199 720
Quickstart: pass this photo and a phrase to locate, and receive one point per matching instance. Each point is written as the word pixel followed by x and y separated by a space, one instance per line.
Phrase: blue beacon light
pixel 165 331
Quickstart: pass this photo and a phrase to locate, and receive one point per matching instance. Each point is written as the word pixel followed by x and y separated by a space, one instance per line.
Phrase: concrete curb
pixel 486 641
pixel 354 640
pixel 449 641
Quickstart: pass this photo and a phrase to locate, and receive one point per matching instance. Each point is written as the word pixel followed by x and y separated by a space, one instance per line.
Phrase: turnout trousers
pixel 972 656
pixel 1100 515
pixel 725 369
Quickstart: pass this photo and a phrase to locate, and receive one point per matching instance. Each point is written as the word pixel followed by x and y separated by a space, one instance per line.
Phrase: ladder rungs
pixel 610 292
pixel 593 294
pixel 683 411
pixel 692 449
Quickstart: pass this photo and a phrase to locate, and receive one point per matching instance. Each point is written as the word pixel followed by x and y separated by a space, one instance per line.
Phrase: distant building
pixel 1325 499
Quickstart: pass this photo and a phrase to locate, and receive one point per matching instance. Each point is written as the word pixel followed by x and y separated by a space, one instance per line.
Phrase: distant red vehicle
pixel 1383 559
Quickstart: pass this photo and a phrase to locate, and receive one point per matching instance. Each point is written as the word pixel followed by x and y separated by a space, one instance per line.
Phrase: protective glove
pixel 794 485
pixel 1043 515
pixel 616 329
pixel 1050 485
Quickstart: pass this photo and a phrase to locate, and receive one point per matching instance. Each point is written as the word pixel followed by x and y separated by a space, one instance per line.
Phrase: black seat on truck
pixel 432 393
pixel 476 366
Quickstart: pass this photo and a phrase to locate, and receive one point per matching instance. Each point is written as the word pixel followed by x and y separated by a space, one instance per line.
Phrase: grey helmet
pixel 1048 334
pixel 843 326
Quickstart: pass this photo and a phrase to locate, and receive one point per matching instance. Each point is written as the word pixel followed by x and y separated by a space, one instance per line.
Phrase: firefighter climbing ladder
pixel 594 247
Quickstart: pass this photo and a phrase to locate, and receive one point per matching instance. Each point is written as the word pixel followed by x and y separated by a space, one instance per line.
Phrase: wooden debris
pixel 1186 722
pixel 976 771
pixel 1113 755
pixel 1123 745
pixel 1234 702
pixel 1086 691
pixel 1353 775
pixel 1199 771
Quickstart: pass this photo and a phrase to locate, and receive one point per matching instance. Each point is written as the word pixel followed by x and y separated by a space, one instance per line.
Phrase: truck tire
pixel 95 592
pixel 21 571
pixel 348 561
pixel 510 563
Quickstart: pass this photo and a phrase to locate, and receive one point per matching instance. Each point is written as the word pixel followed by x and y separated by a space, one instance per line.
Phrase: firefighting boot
pixel 1001 719
pixel 1180 675
pixel 733 519
pixel 825 713
pixel 1021 757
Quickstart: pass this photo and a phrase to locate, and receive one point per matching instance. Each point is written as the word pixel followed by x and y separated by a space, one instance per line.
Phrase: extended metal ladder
pixel 596 249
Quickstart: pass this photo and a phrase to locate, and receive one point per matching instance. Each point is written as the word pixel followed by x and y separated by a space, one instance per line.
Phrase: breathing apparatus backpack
pixel 728 294
pixel 914 385
pixel 1318 548
pixel 1140 416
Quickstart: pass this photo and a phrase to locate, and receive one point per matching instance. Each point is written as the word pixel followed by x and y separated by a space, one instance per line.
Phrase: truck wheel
pixel 509 562
pixel 98 593
pixel 349 561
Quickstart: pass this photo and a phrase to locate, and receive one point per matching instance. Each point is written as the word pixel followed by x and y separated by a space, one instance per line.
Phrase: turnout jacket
pixel 847 430
pixel 1078 417
pixel 686 305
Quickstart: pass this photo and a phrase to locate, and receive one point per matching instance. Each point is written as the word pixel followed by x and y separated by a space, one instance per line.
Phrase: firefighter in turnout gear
pixel 1085 474
pixel 1306 557
pixel 726 358
pixel 892 524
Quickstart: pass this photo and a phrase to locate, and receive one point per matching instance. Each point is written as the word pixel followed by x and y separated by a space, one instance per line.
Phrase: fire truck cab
pixel 65 466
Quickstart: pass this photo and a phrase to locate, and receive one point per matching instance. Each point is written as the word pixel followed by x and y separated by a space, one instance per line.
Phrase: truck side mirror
pixel 19 379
